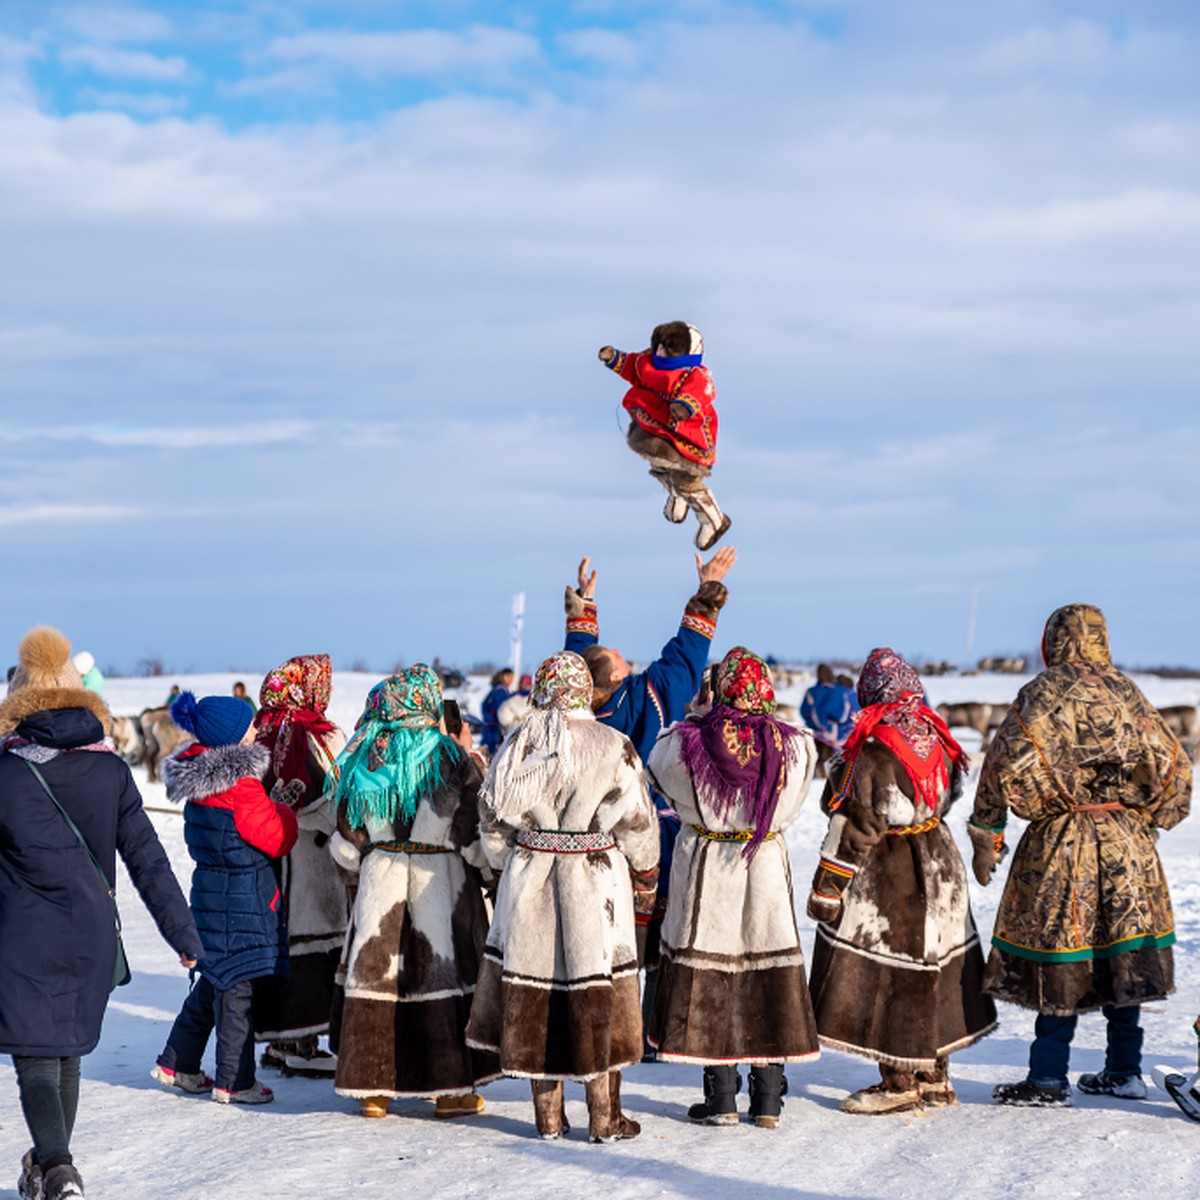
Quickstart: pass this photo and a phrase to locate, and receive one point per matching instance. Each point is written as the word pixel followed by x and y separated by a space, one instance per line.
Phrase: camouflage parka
pixel 1085 919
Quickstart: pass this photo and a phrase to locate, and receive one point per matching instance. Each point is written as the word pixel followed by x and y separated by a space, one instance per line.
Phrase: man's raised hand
pixel 587 583
pixel 717 567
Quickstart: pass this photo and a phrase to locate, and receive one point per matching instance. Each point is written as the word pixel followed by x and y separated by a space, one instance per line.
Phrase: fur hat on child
pixel 676 344
pixel 46 678
pixel 215 720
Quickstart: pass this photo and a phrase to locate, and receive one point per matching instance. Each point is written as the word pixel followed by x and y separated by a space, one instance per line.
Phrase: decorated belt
pixel 562 841
pixel 731 835
pixel 922 827
pixel 1111 806
pixel 410 847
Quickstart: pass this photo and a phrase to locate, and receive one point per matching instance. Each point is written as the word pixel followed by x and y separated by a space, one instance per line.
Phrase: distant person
pixel 85 664
pixel 240 693
pixel 846 684
pixel 513 711
pixel 68 807
pixel 826 711
pixel 234 832
pixel 489 710
pixel 1085 921
pixel 172 696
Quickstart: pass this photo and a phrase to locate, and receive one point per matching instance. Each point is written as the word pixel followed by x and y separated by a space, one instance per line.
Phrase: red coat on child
pixel 657 387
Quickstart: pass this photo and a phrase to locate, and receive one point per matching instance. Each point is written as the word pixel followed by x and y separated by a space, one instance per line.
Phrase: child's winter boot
pixel 373 1107
pixel 767 1087
pixel 713 523
pixel 193 1083
pixel 719 1106
pixel 256 1093
pixel 1027 1094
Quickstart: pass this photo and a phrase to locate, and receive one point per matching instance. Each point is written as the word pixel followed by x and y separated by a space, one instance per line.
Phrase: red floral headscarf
pixel 292 703
pixel 894 712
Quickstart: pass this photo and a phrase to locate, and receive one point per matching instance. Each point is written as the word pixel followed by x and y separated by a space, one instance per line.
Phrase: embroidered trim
pixel 705 627
pixel 923 827
pixel 731 835
pixel 840 869
pixel 839 797
pixel 587 623
pixel 564 841
pixel 410 848
pixel 662 716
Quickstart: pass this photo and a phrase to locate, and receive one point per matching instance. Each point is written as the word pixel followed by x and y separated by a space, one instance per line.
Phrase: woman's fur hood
pixel 211 772
pixel 45 679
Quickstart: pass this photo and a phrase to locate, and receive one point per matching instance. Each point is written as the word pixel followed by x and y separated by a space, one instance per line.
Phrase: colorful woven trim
pixel 922 827
pixel 587 622
pixel 562 841
pixel 834 867
pixel 410 848
pixel 704 626
pixel 839 797
pixel 731 835
pixel 1138 941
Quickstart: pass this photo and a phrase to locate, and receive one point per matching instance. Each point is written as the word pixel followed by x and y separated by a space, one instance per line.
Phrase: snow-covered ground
pixel 134 1139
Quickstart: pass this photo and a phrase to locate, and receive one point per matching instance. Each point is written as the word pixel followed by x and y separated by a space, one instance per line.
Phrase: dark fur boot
pixel 767 1087
pixel 599 1106
pixel 719 1106
pixel 549 1108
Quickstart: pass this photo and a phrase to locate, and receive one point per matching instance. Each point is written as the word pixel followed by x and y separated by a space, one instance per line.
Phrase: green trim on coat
pixel 1139 941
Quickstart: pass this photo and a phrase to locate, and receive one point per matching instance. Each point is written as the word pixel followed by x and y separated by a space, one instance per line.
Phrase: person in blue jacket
pixel 58 939
pixel 234 831
pixel 825 709
pixel 492 733
pixel 642 704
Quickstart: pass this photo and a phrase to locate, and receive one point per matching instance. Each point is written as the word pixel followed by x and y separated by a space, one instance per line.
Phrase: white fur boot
pixel 713 522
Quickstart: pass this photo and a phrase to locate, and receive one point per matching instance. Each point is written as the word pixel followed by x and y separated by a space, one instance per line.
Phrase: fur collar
pixel 26 701
pixel 212 772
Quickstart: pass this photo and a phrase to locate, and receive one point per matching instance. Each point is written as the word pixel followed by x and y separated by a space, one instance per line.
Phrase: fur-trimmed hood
pixel 196 775
pixel 27 701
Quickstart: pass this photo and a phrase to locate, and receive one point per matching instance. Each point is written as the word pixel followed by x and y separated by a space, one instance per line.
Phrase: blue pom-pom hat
pixel 215 720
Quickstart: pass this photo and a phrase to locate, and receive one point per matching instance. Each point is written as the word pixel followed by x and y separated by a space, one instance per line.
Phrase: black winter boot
pixel 767 1088
pixel 719 1106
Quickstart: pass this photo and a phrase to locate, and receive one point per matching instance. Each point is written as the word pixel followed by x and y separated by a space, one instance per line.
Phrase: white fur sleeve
pixel 345 853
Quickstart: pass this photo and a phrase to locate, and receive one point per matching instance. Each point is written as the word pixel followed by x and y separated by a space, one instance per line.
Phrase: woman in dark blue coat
pixel 58 944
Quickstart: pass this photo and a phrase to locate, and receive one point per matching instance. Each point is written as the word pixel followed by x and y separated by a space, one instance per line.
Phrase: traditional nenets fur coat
pixel 732 986
pixel 303 745
pixel 567 818
pixel 897 963
pixel 408 827
pixel 1085 919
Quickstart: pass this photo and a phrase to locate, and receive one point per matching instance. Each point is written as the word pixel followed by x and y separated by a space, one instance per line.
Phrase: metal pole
pixel 515 633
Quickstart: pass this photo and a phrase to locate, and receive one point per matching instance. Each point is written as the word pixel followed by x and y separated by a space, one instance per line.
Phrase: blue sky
pixel 300 303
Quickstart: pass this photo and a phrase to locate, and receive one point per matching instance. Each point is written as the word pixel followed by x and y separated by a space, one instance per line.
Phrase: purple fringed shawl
pixel 738 760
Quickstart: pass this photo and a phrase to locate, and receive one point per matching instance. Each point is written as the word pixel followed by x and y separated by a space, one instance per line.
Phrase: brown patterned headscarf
pixel 1076 633
pixel 894 712
pixel 292 703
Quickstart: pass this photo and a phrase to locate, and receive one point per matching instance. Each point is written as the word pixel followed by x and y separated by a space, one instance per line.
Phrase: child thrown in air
pixel 674 425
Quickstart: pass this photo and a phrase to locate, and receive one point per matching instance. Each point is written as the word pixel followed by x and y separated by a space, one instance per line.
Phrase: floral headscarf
pixel 738 753
pixel 894 712
pixel 395 757
pixel 558 741
pixel 292 703
pixel 562 681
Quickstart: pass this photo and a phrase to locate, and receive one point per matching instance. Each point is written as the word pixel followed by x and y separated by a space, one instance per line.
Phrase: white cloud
pixel 411 52
pixel 29 514
pixel 128 64
pixel 146 104
pixel 602 46
pixel 1076 43
pixel 113 24
pixel 220 436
